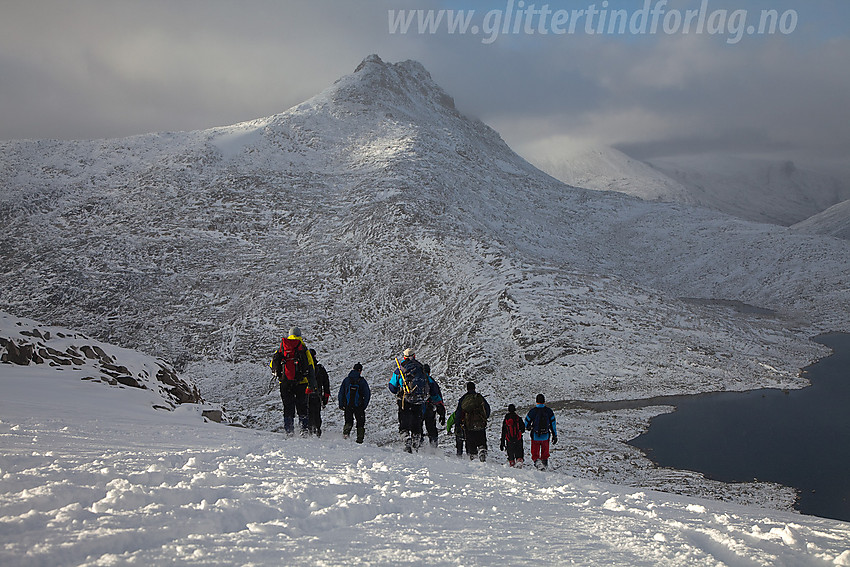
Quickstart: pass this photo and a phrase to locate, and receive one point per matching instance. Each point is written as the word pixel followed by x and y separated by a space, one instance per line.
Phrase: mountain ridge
pixel 186 250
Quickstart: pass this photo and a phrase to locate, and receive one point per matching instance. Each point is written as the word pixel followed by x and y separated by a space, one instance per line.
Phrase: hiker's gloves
pixel 502 446
pixel 554 440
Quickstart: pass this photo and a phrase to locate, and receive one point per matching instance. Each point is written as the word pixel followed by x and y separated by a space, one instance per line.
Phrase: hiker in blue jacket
pixel 354 395
pixel 540 421
pixel 413 388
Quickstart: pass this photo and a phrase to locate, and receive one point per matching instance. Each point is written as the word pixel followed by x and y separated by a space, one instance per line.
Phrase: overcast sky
pixel 91 69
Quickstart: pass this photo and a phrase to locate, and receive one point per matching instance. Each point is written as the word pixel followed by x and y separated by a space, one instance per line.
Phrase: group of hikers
pixel 305 390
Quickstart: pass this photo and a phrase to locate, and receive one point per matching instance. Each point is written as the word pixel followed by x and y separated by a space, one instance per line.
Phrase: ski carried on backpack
pixel 405 389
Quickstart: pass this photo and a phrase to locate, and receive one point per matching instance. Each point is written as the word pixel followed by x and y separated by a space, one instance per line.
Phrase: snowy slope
pixel 377 217
pixel 603 168
pixel 835 221
pixel 95 476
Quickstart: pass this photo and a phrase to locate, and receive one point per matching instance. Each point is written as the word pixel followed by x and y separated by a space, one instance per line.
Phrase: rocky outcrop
pixel 24 342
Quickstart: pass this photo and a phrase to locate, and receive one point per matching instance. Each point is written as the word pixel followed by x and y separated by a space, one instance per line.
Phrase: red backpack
pixel 513 427
pixel 296 366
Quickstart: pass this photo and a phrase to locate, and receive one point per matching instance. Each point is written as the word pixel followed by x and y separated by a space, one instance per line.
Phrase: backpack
pixel 296 365
pixel 322 380
pixel 513 431
pixel 540 424
pixel 417 389
pixel 474 412
pixel 354 392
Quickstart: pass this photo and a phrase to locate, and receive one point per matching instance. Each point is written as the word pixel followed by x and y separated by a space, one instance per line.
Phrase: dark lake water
pixel 800 438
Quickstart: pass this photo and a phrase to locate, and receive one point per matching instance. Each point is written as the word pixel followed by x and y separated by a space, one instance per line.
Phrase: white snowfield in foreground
pixel 92 475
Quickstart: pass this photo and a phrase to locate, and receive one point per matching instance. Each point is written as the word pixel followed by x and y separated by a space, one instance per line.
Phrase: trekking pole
pixel 271 385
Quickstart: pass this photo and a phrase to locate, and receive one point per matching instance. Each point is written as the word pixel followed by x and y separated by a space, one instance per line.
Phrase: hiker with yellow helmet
pixel 294 368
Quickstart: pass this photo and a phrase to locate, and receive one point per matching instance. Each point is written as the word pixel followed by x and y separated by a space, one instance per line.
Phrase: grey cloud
pixel 132 67
pixel 92 69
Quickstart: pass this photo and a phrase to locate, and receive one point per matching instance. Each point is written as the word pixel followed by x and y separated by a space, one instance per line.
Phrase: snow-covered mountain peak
pixel 374 119
pixel 401 91
pixel 602 168
pixel 400 85
pixel 761 188
pixel 375 168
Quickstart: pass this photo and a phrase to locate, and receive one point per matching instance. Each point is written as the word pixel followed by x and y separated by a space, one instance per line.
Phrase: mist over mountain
pixel 604 168
pixel 375 216
pixel 765 189
pixel 761 189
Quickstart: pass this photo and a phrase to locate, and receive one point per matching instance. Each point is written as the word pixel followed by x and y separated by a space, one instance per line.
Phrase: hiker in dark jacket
pixel 472 413
pixel 540 421
pixel 317 399
pixel 512 430
pixel 353 397
pixel 434 407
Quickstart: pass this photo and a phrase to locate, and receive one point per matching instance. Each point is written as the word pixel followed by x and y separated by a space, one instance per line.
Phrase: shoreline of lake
pixel 797 438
